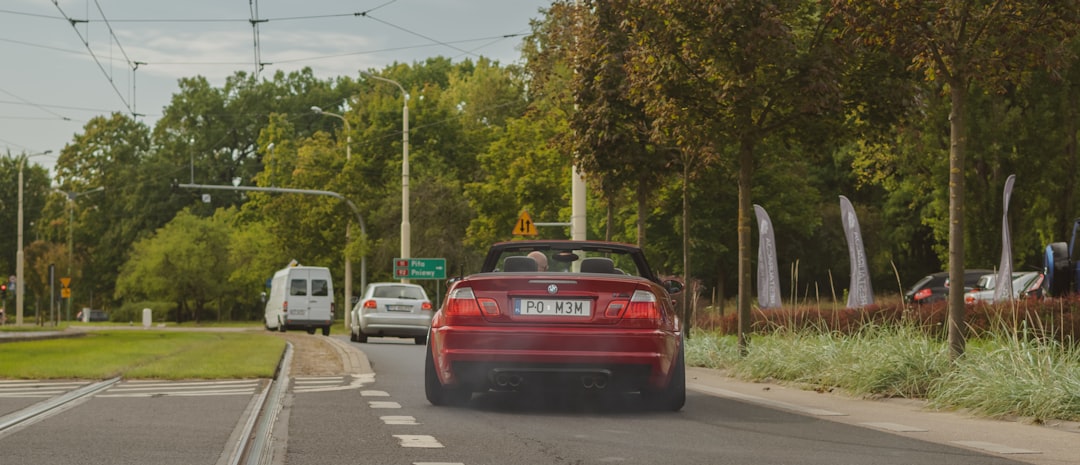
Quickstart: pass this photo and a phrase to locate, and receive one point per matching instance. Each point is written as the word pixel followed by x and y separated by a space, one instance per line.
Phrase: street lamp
pixel 405 226
pixel 71 196
pixel 348 225
pixel 19 254
pixel 348 131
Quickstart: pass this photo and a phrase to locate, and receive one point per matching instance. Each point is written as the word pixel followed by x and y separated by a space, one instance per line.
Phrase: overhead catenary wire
pixel 86 43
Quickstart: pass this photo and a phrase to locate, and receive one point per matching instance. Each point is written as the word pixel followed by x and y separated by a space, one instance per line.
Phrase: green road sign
pixel 420 268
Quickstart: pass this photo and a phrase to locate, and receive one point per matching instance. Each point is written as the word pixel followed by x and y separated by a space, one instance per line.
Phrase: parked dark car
pixel 935 287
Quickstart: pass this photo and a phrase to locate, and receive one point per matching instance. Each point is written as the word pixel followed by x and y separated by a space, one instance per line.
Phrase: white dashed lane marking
pixel 183 389
pixel 418 440
pixel 383 404
pixel 331 383
pixel 399 420
pixel 35 388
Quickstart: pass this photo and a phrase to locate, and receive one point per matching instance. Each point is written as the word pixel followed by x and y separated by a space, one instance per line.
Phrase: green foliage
pixel 1007 376
pixel 654 99
pixel 132 311
pixel 999 376
pixel 182 262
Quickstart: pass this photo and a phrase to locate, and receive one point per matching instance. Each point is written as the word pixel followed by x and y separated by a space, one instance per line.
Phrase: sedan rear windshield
pixel 399 292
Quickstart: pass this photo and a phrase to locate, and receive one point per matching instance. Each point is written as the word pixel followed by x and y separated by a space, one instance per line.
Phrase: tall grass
pixel 998 376
pixel 1010 376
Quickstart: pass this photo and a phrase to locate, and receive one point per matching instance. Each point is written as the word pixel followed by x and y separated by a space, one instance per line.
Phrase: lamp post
pixel 348 225
pixel 19 254
pixel 405 226
pixel 71 196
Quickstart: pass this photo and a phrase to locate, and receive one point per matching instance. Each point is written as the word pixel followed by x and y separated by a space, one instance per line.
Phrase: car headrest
pixel 597 265
pixel 519 264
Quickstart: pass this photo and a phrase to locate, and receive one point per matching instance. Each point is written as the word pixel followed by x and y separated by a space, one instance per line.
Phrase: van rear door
pixel 298 294
pixel 321 296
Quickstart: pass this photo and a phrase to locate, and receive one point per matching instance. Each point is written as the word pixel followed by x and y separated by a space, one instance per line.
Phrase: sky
pixel 64 62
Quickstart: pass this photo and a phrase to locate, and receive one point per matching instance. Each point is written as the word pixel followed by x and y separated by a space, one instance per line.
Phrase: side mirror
pixel 673 286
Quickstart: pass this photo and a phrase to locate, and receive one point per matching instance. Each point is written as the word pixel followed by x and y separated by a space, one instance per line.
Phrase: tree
pixel 740 72
pixel 35 192
pixel 181 262
pixel 110 154
pixel 958 43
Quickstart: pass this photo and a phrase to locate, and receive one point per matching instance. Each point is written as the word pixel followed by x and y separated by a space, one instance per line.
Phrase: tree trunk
pixel 746 171
pixel 958 142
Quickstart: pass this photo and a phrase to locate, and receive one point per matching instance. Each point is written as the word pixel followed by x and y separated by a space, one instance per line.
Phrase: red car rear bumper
pixel 633 358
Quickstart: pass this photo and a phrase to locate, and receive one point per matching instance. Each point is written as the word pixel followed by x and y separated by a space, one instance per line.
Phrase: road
pixel 390 421
pixel 383 418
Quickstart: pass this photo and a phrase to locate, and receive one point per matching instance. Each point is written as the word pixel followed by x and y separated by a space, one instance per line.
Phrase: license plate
pixel 553 307
pixel 398 308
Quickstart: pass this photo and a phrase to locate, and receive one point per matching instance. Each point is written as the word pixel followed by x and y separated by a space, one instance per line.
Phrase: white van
pixel 301 297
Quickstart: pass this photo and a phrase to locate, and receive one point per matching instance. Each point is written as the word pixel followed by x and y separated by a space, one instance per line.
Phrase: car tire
pixel 420 340
pixel 325 330
pixel 311 330
pixel 673 398
pixel 440 395
pixel 280 326
pixel 352 335
pixel 360 336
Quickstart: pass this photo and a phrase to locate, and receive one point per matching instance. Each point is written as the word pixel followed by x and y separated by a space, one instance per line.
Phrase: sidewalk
pixel 1052 444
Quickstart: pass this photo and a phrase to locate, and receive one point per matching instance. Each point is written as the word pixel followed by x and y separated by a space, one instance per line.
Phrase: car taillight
pixel 285 307
pixel 370 304
pixel 969 299
pixel 923 294
pixel 461 302
pixel 643 305
pixel 426 306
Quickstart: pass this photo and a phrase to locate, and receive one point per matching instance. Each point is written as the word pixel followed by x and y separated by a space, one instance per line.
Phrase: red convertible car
pixel 558 315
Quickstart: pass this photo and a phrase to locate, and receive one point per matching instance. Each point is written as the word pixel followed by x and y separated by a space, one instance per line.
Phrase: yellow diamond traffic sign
pixel 65 282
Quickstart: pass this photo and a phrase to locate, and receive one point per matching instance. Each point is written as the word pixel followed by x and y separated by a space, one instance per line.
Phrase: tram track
pixel 37 412
pixel 251 443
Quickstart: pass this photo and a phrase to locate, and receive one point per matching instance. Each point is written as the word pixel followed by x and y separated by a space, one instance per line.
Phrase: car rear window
pixel 298 287
pixel 399 292
pixel 320 288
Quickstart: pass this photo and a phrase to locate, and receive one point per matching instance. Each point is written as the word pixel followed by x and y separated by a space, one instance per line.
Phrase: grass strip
pixel 144 355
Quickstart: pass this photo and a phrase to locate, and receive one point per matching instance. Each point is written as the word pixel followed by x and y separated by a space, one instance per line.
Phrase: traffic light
pixel 3 291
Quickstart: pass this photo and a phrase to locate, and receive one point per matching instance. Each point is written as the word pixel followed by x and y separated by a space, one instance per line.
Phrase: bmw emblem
pixel 553 289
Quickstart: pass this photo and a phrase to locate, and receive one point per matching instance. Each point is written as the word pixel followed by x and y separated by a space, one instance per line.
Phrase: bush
pixel 1055 319
pixel 132 311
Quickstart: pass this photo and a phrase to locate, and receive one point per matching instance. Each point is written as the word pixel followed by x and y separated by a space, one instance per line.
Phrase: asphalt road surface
pixel 378 415
pixel 390 422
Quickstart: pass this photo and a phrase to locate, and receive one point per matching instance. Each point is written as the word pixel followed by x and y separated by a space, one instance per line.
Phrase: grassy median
pixel 144 354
